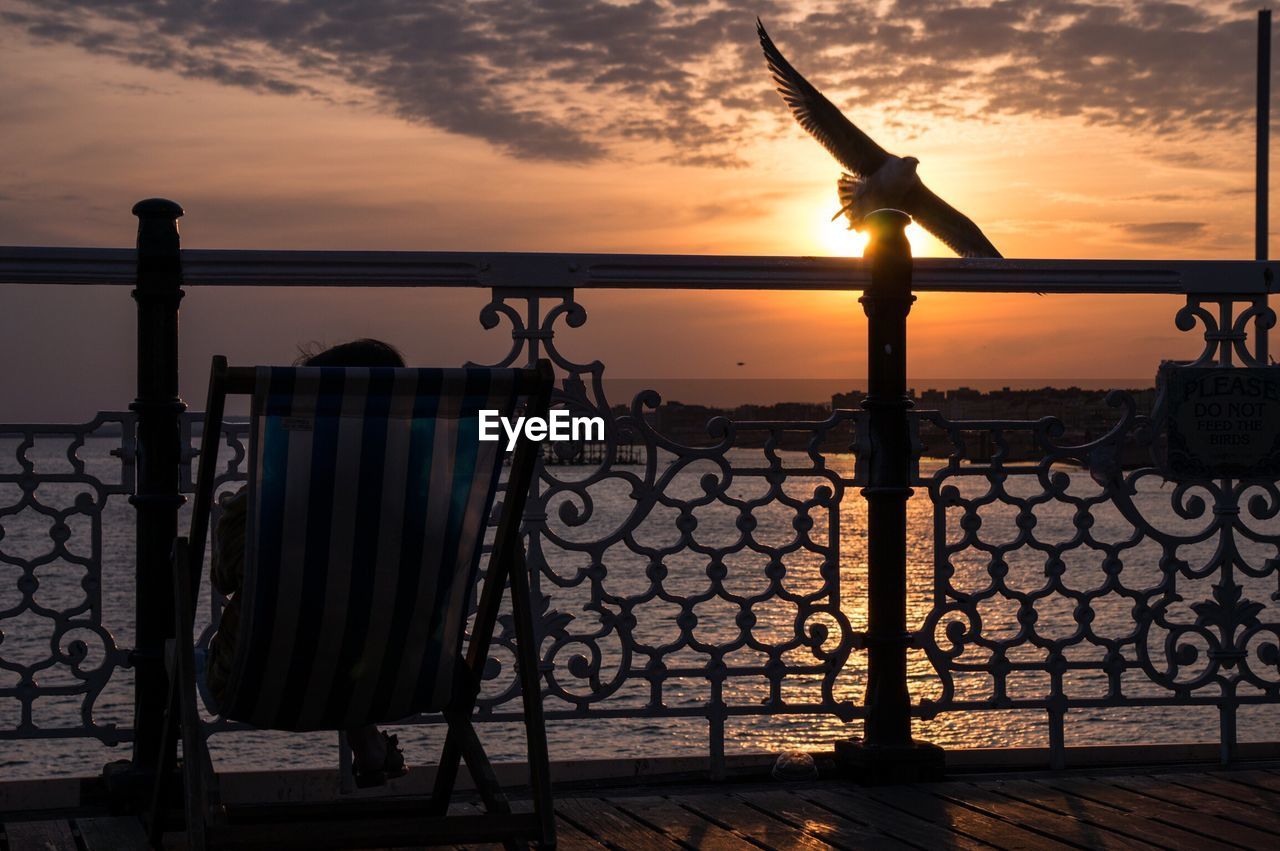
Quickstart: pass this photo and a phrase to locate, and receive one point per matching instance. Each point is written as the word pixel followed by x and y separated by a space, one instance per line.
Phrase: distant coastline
pixel 731 393
pixel 1084 413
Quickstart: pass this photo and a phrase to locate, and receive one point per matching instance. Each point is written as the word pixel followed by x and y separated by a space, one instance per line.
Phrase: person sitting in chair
pixel 376 755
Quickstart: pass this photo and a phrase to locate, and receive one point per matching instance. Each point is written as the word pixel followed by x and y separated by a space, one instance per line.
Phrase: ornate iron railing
pixel 721 589
pixel 55 647
pixel 1154 594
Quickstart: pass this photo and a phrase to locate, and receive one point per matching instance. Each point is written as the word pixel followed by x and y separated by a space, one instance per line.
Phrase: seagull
pixel 875 177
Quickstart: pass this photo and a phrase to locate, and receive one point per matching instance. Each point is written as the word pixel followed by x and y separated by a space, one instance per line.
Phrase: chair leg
pixel 481 769
pixel 478 764
pixel 192 784
pixel 451 753
pixel 463 743
pixel 346 770
pixel 164 764
pixel 193 754
pixel 535 727
pixel 446 774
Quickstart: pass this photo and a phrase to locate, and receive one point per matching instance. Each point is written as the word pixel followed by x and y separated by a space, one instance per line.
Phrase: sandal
pixel 393 765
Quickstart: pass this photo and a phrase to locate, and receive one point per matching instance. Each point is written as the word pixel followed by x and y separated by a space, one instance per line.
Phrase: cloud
pixel 1125 64
pixel 578 80
pixel 1162 197
pixel 1159 232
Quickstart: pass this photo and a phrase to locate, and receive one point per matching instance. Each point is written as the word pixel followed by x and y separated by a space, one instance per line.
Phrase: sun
pixel 836 239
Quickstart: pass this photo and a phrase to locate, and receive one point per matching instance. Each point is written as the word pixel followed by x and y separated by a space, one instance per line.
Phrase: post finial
pixel 158 239
pixel 886 220
pixel 888 231
pixel 160 208
pixel 888 253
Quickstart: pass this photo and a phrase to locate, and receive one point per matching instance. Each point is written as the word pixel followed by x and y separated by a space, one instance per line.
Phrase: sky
pixel 1065 128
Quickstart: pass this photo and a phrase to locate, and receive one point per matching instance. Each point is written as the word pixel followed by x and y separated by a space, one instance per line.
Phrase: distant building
pixel 845 401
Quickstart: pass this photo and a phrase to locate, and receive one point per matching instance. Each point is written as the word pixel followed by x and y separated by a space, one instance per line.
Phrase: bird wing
pixel 855 150
pixel 948 224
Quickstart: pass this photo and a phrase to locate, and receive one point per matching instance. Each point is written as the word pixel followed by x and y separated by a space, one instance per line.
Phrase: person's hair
pixel 365 352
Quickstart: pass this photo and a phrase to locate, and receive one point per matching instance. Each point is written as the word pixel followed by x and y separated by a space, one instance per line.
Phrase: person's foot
pixel 393 764
pixel 377 759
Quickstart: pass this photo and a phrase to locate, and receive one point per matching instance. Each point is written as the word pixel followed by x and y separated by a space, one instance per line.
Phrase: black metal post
pixel 887 753
pixel 887 303
pixel 158 495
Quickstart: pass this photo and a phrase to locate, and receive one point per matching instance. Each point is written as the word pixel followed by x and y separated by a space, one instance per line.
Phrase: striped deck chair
pixel 369 494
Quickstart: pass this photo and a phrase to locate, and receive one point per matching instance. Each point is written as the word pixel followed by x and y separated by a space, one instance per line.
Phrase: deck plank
pixel 1222 808
pixel 459 808
pixel 1215 810
pixel 1068 828
pixel 52 835
pixel 1111 817
pixel 1261 779
pixel 909 828
pixel 964 818
pixel 570 838
pixel 822 823
pixel 567 836
pixel 118 833
pixel 1208 784
pixel 681 824
pixel 734 814
pixel 1197 821
pixel 602 821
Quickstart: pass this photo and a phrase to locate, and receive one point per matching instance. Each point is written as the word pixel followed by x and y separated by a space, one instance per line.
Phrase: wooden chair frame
pixel 367 822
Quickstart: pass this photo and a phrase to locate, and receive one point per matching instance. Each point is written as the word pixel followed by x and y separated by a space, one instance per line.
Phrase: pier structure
pixel 1018 617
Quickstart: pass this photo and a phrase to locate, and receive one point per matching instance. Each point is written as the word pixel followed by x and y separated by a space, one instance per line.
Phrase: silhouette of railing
pixel 721 592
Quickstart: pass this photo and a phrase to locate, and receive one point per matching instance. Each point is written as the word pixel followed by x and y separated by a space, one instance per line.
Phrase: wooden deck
pixel 1175 810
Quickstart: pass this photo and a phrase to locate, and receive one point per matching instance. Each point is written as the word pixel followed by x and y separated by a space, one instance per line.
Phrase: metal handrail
pixel 556 271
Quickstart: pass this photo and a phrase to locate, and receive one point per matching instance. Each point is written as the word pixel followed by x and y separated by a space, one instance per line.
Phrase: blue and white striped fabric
pixel 369 493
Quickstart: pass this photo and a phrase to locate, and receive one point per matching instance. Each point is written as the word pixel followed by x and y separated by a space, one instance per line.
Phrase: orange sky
pixel 321 158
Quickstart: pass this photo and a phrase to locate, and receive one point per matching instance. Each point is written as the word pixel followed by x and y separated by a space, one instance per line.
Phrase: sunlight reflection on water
pixel 27 637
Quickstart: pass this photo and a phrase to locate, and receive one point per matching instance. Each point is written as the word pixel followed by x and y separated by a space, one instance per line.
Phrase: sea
pixel 28 641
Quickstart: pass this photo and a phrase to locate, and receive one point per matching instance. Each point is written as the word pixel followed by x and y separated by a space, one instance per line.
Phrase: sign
pixel 1221 422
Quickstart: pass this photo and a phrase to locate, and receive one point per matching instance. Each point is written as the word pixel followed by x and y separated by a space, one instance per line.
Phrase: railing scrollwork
pixel 716 580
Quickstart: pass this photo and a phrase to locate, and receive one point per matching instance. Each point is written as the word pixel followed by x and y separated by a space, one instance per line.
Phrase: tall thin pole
pixel 1261 217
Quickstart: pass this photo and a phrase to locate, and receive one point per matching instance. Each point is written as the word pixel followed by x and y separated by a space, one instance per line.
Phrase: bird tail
pixel 849 189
